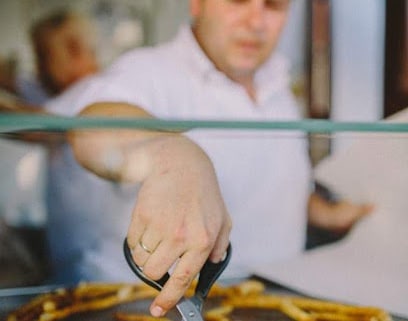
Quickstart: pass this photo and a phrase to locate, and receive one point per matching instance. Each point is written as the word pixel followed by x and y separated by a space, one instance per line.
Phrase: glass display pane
pixel 71 223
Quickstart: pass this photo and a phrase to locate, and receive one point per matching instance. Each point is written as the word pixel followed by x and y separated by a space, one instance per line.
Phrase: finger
pixel 366 209
pixel 184 273
pixel 146 247
pixel 221 244
pixel 135 231
pixel 163 258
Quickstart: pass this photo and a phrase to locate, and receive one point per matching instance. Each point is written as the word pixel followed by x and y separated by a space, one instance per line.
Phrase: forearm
pixel 45 138
pixel 126 154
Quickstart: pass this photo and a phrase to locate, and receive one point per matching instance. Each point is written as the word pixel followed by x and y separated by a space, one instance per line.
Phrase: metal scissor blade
pixel 189 311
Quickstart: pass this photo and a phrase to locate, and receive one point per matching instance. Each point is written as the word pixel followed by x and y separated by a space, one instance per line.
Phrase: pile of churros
pixel 246 295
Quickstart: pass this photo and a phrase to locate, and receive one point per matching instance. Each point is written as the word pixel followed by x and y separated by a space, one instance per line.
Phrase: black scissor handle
pixel 157 284
pixel 209 273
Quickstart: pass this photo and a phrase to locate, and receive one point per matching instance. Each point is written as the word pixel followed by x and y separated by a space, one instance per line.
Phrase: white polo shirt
pixel 264 176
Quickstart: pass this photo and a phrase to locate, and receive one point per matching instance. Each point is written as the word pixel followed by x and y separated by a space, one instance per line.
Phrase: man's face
pixel 238 35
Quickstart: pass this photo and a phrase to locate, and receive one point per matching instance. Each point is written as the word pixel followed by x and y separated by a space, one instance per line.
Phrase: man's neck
pixel 247 82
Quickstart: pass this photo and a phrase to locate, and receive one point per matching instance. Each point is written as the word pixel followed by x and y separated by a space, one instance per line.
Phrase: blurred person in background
pixel 64 48
pixel 63 44
pixel 61 48
pixel 223 66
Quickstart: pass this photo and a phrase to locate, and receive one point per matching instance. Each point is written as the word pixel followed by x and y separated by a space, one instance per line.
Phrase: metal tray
pixel 10 303
pixel 11 299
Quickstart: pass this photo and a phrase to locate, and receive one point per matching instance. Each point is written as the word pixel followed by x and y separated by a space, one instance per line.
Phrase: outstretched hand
pixel 337 216
pixel 179 220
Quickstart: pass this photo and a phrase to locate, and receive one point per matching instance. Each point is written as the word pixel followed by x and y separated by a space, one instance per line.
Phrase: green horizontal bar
pixel 19 122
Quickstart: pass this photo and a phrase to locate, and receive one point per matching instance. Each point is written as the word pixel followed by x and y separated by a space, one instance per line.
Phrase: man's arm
pixel 179 215
pixel 11 105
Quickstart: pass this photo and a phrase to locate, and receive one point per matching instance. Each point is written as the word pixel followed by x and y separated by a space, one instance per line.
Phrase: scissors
pixel 190 309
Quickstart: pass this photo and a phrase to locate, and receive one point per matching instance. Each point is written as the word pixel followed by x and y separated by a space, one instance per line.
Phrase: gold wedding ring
pixel 145 248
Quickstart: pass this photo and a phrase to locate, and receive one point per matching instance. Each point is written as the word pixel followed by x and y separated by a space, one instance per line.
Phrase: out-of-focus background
pixel 120 24
pixel 349 63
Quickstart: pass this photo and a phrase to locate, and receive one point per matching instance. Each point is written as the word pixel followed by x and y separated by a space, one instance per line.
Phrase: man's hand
pixel 180 219
pixel 337 216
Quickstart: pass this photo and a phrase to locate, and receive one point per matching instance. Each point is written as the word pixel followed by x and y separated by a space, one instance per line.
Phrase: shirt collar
pixel 196 57
pixel 273 77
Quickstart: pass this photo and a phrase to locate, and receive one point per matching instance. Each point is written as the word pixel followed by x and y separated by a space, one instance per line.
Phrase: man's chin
pixel 246 67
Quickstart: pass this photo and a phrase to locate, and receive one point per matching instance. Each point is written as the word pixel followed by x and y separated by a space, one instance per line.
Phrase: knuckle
pixel 143 216
pixel 131 241
pixel 152 272
pixel 206 242
pixel 229 224
pixel 138 260
pixel 179 236
pixel 182 279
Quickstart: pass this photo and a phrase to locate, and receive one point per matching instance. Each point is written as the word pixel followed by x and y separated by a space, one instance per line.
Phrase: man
pixel 220 68
pixel 63 47
pixel 63 44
